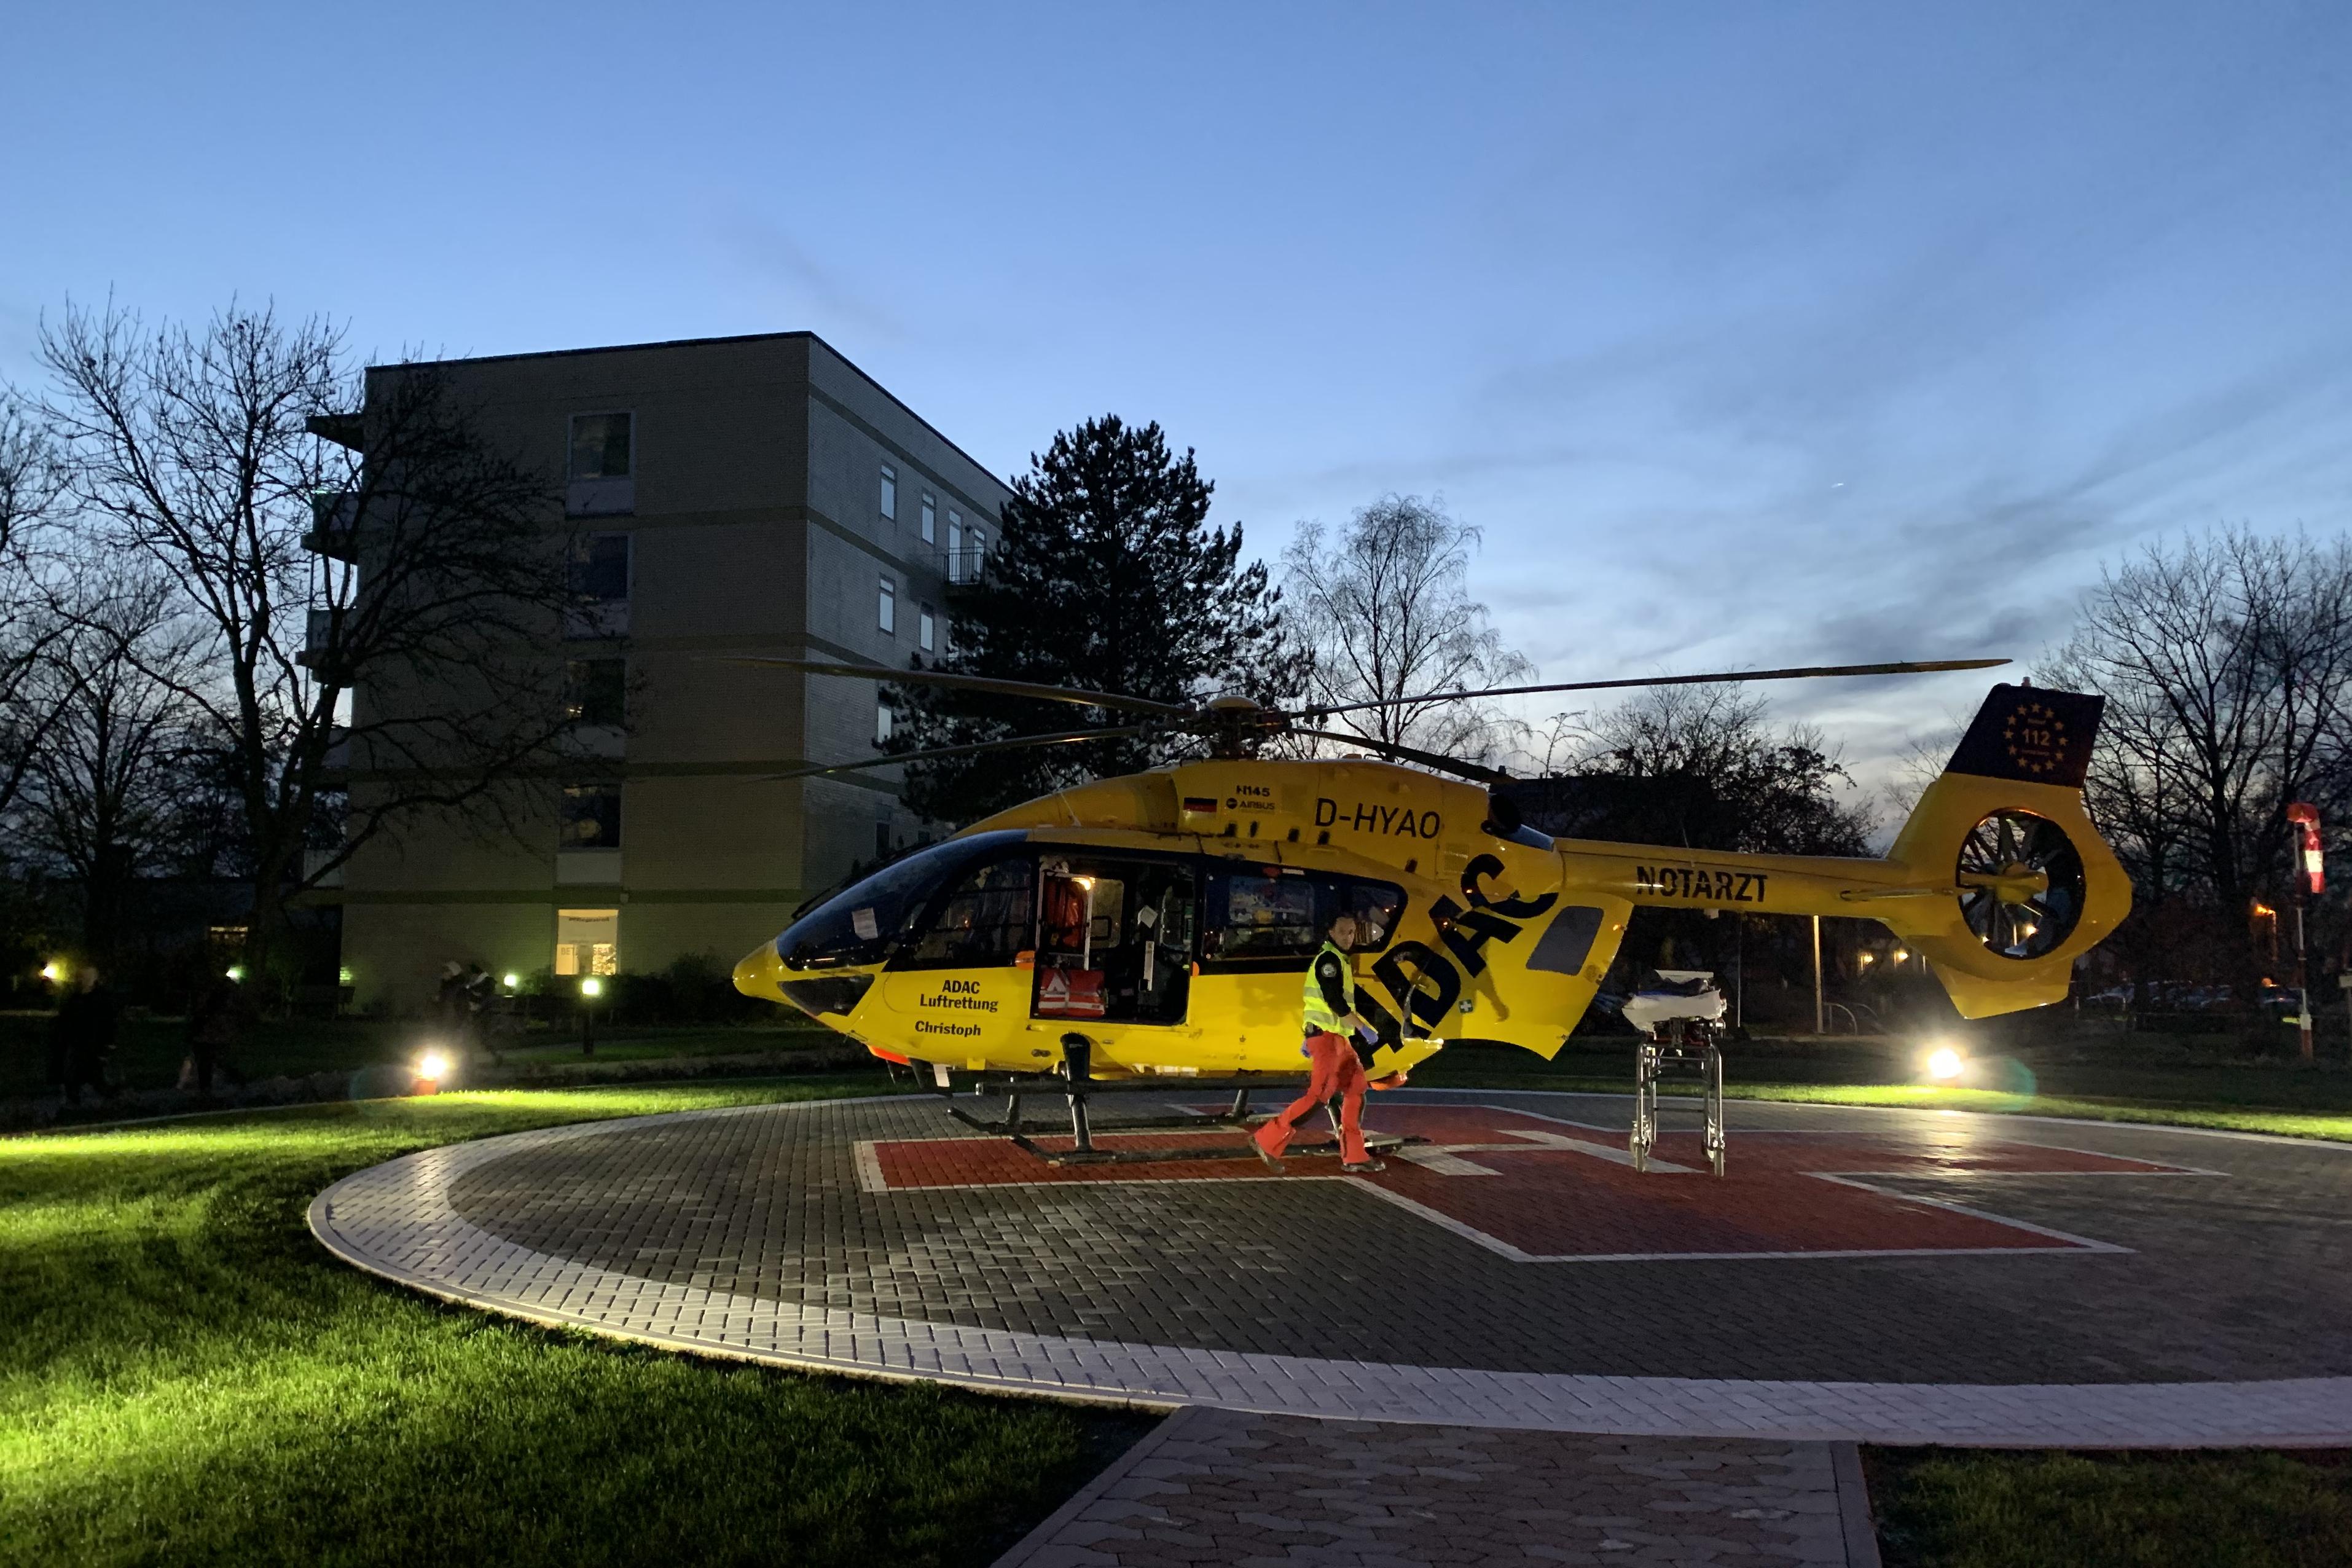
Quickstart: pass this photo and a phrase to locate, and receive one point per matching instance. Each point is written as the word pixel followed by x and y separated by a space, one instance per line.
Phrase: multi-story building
pixel 751 495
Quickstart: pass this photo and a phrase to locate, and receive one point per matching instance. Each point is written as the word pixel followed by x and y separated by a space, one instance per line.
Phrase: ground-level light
pixel 512 981
pixel 433 1065
pixel 236 972
pixel 591 987
pixel 1945 1064
pixel 53 972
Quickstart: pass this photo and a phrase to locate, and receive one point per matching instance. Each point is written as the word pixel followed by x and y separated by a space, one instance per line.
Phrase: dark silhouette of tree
pixel 371 588
pixel 1107 576
pixel 2227 665
pixel 1698 767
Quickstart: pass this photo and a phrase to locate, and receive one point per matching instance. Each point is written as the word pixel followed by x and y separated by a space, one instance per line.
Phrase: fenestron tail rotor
pixel 2021 884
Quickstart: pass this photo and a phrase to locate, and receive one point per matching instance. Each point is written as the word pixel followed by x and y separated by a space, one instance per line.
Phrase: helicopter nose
pixel 759 972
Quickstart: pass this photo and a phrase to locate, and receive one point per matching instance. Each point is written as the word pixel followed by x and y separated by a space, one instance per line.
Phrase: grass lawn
pixel 151 1048
pixel 2291 1102
pixel 1947 1508
pixel 186 1376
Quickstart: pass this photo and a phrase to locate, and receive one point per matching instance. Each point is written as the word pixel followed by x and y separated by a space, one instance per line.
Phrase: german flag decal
pixel 2031 734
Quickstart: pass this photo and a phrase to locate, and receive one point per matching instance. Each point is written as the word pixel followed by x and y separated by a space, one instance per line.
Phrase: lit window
pixel 600 447
pixel 882 717
pixel 889 491
pixel 930 627
pixel 887 611
pixel 592 817
pixel 596 691
pixel 930 520
pixel 587 941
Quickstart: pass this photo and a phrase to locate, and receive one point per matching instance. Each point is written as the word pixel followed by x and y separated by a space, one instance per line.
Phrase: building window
pixel 587 941
pixel 882 719
pixel 600 568
pixel 595 691
pixel 886 613
pixel 601 447
pixel 881 841
pixel 592 817
pixel 955 548
pixel 930 520
pixel 889 492
pixel 929 625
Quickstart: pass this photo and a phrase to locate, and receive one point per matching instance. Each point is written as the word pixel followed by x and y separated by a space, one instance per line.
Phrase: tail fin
pixel 2008 883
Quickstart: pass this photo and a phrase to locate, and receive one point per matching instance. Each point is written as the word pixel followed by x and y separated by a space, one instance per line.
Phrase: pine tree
pixel 1109 577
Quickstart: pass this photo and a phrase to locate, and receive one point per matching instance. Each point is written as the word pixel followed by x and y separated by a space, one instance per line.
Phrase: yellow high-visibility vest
pixel 1321 1019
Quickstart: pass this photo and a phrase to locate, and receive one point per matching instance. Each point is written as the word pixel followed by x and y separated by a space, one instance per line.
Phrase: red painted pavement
pixel 1544 1202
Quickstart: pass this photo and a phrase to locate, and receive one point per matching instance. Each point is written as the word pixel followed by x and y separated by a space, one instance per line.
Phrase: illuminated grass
pixel 186 1376
pixel 1961 1509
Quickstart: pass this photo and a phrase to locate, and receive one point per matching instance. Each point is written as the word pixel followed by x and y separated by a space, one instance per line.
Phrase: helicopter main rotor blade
pixel 1407 753
pixel 1807 672
pixel 1069 737
pixel 1079 695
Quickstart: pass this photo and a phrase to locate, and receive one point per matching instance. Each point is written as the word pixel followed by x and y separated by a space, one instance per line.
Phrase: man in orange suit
pixel 1331 1026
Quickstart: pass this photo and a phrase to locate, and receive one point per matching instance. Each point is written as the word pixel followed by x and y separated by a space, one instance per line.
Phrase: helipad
pixel 1872 1275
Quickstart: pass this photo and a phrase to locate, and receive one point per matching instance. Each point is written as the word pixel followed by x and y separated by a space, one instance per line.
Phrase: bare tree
pixel 1387 610
pixel 2227 665
pixel 106 790
pixel 31 484
pixel 374 588
pixel 1741 784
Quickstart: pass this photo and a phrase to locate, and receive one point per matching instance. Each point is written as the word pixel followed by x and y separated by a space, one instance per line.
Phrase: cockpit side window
pixel 1272 912
pixel 984 922
pixel 864 922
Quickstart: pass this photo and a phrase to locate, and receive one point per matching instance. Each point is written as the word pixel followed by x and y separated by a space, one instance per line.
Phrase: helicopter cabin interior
pixel 1111 936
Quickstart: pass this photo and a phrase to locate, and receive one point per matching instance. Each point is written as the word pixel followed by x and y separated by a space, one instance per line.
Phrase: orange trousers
pixel 1337 1070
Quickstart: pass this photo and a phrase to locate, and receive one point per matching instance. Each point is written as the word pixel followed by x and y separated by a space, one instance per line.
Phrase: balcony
pixel 964 566
pixel 349 430
pixel 334 525
pixel 600 498
pixel 322 644
pixel 587 867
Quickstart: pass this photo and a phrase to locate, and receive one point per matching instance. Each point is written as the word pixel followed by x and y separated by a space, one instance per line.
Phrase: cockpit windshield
pixel 861 923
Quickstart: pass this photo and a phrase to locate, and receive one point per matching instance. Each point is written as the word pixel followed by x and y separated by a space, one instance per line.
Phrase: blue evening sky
pixel 1751 333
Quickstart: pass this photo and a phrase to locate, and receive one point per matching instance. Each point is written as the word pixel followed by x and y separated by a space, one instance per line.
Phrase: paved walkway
pixel 1271 1491
pixel 1861 1274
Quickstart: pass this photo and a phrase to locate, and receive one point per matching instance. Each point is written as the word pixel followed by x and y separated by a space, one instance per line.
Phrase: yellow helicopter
pixel 1158 925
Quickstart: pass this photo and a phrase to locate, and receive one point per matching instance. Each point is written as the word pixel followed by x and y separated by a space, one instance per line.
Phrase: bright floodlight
pixel 434 1065
pixel 512 980
pixel 236 972
pixel 53 972
pixel 591 987
pixel 1944 1063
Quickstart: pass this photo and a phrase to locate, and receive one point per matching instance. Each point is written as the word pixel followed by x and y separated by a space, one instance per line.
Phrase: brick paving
pixel 1271 1491
pixel 2140 1307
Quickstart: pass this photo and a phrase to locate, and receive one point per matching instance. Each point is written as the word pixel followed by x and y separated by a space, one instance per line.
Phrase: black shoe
pixel 1271 1162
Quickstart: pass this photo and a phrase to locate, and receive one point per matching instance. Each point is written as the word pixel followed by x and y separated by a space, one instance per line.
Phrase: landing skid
pixel 1078 1085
